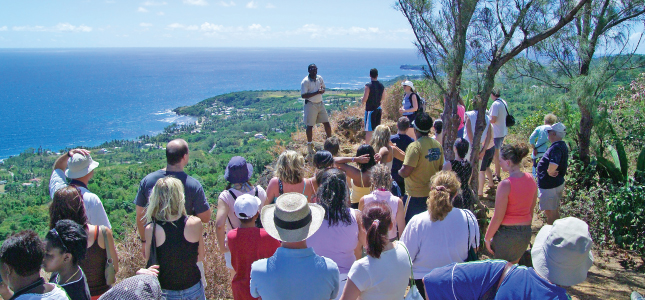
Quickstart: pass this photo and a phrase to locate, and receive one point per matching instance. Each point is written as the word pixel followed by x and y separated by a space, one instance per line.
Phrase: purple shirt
pixel 391 200
pixel 337 242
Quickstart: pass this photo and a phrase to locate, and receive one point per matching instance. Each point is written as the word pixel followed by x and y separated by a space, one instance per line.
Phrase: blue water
pixel 57 98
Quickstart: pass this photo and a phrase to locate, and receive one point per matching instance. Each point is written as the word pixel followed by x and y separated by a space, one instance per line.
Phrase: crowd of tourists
pixel 395 218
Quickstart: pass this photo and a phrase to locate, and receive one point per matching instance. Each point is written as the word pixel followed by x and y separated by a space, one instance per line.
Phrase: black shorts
pixel 488 159
pixel 411 118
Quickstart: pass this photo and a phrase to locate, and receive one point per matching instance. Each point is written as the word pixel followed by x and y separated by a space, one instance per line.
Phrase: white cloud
pixel 252 4
pixel 154 3
pixel 174 26
pixel 4 28
pixel 259 28
pixel 145 24
pixel 269 5
pixel 211 27
pixel 142 10
pixel 60 27
pixel 161 13
pixel 227 4
pixel 196 2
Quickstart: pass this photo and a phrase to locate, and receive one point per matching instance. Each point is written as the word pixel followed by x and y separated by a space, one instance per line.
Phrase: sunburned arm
pixel 220 223
pixel 384 152
pixel 350 171
pixel 501 202
pixel 61 162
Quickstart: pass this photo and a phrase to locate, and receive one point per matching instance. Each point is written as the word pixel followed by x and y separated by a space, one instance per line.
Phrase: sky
pixel 203 23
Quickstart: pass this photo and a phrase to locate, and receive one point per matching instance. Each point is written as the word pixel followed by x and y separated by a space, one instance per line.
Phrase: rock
pixel 351 128
pixel 265 177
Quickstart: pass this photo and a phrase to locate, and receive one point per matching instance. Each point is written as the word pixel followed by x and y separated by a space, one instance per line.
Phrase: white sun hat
pixel 292 218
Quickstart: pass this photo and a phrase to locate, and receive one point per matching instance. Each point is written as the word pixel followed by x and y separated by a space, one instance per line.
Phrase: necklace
pixel 70 278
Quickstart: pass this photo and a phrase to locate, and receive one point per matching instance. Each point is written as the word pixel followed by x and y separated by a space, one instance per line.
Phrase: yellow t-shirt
pixel 426 156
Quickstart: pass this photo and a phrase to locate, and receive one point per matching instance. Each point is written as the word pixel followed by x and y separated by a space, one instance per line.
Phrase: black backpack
pixel 510 120
pixel 421 103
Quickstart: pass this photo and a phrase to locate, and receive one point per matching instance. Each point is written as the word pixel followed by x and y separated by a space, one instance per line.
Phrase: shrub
pixel 626 211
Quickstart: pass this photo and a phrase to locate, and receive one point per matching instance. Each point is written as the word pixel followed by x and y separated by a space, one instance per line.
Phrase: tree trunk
pixel 584 135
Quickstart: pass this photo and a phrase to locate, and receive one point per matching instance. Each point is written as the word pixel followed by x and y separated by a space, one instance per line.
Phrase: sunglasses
pixel 56 236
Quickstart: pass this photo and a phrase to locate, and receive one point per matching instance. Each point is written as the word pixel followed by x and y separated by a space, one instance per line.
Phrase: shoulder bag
pixel 510 120
pixel 473 255
pixel 413 293
pixel 110 273
pixel 152 258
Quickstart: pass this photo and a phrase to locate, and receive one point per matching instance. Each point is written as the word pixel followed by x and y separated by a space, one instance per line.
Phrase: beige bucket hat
pixel 80 165
pixel 292 218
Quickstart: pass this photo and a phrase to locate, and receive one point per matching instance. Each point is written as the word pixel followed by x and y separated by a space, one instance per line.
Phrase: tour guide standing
pixel 551 170
pixel 311 89
pixel 177 157
pixel 423 159
pixel 372 100
pixel 79 167
pixel 294 272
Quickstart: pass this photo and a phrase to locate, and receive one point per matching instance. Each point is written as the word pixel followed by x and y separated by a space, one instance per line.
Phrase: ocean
pixel 60 98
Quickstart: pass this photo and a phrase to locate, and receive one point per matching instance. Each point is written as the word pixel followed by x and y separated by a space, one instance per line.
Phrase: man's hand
pixel 553 173
pixel 79 151
pixel 321 91
pixel 61 162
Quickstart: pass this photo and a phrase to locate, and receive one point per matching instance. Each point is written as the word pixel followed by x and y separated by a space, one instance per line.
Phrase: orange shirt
pixel 520 198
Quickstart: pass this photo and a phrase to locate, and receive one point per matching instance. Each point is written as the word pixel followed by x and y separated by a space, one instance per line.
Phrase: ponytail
pixel 445 186
pixel 376 221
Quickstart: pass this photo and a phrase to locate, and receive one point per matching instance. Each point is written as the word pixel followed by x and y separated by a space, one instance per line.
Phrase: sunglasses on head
pixel 56 236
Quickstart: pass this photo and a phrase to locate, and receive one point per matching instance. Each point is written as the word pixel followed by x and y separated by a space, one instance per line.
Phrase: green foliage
pixel 626 211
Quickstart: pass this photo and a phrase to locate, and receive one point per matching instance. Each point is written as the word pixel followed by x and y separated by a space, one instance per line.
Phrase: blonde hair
pixel 550 119
pixel 290 167
pixel 166 200
pixel 380 138
pixel 381 177
pixel 445 186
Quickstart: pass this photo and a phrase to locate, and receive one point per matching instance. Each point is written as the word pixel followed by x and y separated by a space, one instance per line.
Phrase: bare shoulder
pixel 193 221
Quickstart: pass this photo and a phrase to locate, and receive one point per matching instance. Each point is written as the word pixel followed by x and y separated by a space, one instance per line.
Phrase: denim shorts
pixel 498 142
pixel 196 292
pixel 510 242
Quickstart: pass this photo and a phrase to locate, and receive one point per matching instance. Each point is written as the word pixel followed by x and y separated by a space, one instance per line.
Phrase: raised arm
pixel 397 152
pixel 350 171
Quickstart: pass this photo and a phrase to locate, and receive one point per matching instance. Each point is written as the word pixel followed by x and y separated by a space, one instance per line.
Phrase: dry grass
pixel 217 275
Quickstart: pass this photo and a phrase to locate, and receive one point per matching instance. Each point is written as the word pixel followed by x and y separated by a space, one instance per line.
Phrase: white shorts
pixel 343 281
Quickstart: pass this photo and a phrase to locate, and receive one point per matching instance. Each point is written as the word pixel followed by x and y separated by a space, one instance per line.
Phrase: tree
pixel 484 33
pixel 441 33
pixel 602 25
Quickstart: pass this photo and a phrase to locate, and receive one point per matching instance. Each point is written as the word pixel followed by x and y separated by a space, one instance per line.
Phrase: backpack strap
pixel 506 107
pixel 227 217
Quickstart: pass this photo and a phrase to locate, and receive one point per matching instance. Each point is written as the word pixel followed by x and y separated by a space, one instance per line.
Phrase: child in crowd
pixel 66 245
pixel 247 244
pixel 381 184
pixel 438 130
pixel 464 171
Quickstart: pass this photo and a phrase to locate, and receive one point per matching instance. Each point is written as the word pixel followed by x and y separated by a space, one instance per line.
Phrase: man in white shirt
pixel 498 112
pixel 311 89
pixel 79 167
pixel 486 150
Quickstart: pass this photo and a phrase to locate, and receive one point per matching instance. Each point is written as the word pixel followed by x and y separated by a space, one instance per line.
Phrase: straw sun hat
pixel 292 218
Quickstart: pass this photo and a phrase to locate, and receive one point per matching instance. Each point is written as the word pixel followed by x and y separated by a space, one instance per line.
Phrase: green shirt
pixel 426 156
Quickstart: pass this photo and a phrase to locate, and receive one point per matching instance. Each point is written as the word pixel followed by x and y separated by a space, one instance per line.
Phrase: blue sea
pixel 59 98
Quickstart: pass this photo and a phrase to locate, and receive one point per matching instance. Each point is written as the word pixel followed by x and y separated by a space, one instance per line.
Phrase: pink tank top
pixel 520 199
pixel 461 111
pixel 392 201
